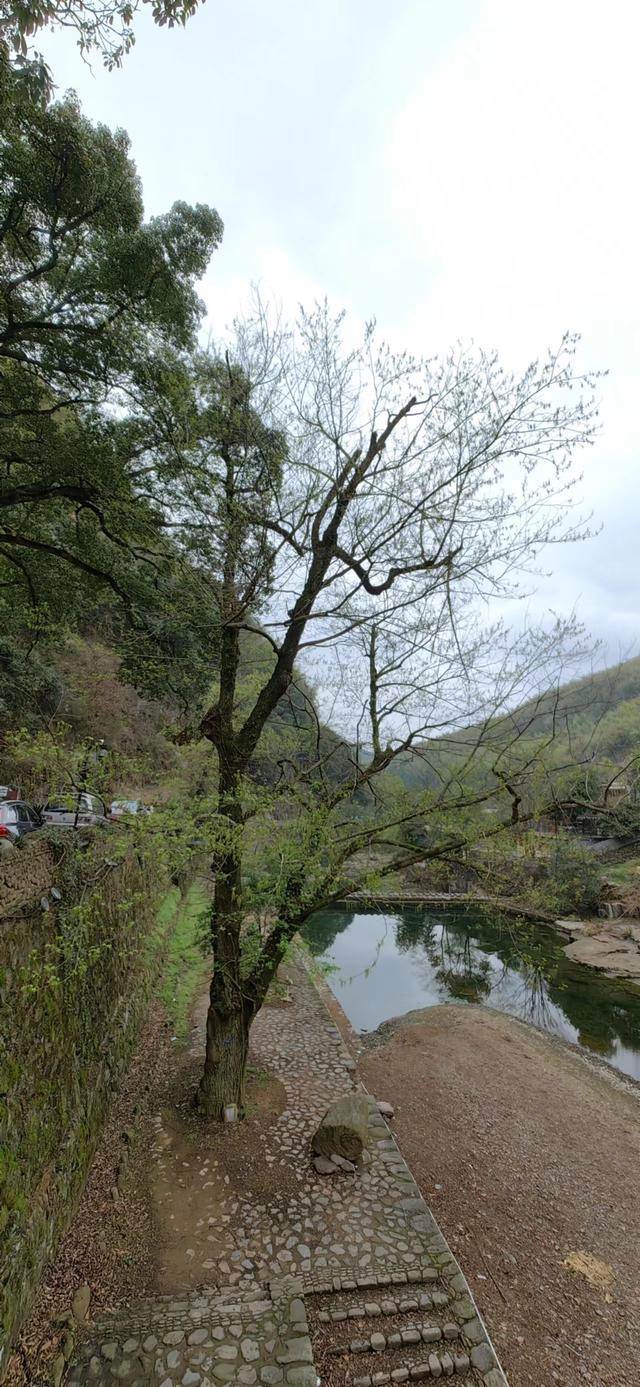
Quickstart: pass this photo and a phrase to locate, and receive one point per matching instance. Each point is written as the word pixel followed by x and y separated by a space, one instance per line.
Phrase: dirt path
pixel 527 1153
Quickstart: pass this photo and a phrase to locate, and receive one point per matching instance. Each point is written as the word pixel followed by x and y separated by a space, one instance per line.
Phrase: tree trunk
pixel 222 1082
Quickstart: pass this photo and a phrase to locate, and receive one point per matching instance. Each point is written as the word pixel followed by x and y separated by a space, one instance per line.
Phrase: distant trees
pixel 357 509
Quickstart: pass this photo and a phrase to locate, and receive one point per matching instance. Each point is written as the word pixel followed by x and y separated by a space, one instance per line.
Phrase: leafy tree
pixel 103 26
pixel 356 510
pixel 90 294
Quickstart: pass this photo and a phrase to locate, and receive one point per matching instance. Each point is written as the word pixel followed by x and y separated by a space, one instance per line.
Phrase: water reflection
pixel 386 965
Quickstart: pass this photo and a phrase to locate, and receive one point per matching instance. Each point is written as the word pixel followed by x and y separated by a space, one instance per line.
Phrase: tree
pixel 103 26
pixel 359 510
pixel 90 295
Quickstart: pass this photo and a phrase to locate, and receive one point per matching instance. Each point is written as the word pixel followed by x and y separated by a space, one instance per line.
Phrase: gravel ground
pixel 528 1154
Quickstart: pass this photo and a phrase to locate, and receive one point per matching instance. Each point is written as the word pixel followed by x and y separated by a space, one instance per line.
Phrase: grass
pixel 624 873
pixel 185 965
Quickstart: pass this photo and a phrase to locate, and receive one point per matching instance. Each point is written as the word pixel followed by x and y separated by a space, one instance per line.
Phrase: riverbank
pixel 526 1151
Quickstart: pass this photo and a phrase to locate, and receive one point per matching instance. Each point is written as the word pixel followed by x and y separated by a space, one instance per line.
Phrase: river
pixel 383 965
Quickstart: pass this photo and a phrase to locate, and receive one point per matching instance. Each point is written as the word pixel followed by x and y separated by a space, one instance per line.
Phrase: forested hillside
pixel 593 721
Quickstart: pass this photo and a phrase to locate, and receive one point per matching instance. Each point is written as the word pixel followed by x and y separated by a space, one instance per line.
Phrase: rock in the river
pixel 386 1110
pixel 344 1127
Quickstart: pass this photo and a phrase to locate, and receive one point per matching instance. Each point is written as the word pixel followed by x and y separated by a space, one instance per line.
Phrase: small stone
pixel 68 1346
pixel 378 1343
pixel 386 1109
pixel 475 1331
pixel 109 1351
pixel 150 1343
pixel 359 1346
pixel 447 1364
pixel 325 1166
pixel 451 1331
pixel 410 1336
pixel 198 1336
pixel 482 1358
pixel 296 1308
pixel 130 1345
pixel 372 1308
pixel 271 1375
pixel 419 1371
pixel 190 1379
pixel 94 1366
pixel 224 1372
pixel 80 1303
pixel 173 1358
pixel 247 1375
pixel 388 1307
pixel 342 1163
pixel 173 1336
pixel 461 1363
pixel 431 1334
pixel 228 1351
pixel 295 1351
pixel 379 1378
pixel 123 1368
pixel 57 1369
pixel 249 1350
pixel 435 1366
pixel 394 1340
pixel 302 1377
pixel 399 1374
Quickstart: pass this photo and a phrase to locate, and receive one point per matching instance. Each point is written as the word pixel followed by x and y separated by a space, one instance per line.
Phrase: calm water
pixel 386 965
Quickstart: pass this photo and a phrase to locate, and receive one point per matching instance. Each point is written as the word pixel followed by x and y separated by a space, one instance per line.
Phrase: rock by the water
pixel 386 1110
pixel 344 1127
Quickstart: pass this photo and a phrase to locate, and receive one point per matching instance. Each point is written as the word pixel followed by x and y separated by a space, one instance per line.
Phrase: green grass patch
pixel 625 873
pixel 185 964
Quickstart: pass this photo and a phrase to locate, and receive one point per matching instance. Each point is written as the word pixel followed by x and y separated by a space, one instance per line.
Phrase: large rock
pixel 343 1130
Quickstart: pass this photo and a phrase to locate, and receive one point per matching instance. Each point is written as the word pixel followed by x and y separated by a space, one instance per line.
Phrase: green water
pixel 384 965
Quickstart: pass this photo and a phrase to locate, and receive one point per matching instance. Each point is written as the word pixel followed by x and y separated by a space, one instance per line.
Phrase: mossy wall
pixel 74 983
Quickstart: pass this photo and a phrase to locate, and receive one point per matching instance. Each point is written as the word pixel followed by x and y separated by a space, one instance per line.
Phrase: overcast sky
pixel 460 170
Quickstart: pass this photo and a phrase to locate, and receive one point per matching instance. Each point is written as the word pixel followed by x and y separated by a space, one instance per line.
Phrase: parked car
pixel 79 809
pixel 119 807
pixel 17 818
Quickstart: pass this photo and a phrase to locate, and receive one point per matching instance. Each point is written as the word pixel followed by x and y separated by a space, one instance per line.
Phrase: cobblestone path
pixel 385 1299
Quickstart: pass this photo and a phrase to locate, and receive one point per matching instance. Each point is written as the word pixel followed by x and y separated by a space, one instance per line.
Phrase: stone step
pixel 442 1364
pixel 195 1340
pixel 411 1334
pixel 221 1303
pixel 391 1276
pixel 373 1309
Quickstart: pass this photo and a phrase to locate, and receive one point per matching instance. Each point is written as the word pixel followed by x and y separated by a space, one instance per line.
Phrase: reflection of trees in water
pixel 323 929
pixel 533 980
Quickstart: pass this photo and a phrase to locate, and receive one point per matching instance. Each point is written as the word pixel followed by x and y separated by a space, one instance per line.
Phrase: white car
pixel 78 809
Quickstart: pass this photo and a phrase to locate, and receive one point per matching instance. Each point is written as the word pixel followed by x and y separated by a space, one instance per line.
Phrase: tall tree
pixel 360 509
pixel 90 294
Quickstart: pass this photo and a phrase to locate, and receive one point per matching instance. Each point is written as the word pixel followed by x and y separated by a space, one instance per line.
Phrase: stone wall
pixel 76 963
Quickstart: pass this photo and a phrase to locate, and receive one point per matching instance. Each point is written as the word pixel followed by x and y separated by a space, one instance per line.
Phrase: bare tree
pixel 363 512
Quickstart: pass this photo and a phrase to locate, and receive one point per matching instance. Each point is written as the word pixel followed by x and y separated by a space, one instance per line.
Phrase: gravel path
pixel 528 1154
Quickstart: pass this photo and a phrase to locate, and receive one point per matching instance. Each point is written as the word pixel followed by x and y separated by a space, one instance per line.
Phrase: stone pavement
pixel 351 1248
